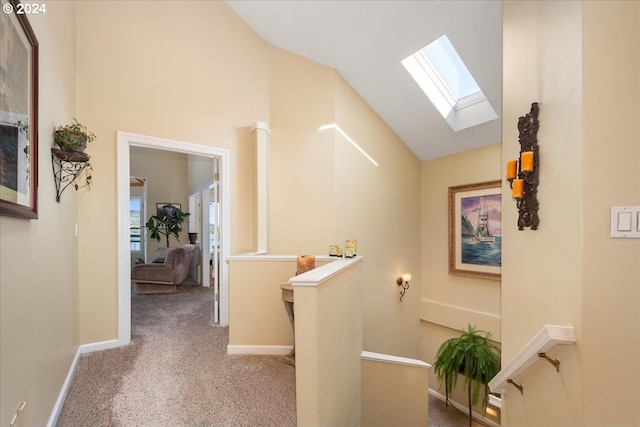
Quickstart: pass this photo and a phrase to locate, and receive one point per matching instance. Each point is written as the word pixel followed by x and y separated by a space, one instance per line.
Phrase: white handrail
pixel 546 339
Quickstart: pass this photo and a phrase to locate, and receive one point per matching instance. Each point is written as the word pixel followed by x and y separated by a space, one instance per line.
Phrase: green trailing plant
pixel 166 222
pixel 73 137
pixel 475 357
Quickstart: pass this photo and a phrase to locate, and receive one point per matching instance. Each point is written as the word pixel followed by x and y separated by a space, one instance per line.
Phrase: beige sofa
pixel 163 277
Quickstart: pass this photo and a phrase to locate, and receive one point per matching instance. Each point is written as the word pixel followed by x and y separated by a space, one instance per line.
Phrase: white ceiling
pixel 365 42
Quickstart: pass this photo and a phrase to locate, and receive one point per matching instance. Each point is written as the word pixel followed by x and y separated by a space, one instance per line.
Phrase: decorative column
pixel 261 137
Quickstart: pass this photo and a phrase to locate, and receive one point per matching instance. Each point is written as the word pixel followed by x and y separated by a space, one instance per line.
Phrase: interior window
pixel 135 203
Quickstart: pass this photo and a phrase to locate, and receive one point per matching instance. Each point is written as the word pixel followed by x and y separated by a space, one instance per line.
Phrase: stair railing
pixel 536 349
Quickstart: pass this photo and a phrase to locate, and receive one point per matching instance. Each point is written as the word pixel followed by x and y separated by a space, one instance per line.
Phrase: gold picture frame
pixel 475 230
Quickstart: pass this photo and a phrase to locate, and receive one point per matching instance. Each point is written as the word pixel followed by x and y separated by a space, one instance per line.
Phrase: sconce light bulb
pixel 407 277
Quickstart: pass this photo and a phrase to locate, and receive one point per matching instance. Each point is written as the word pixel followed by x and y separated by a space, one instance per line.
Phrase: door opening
pixel 221 156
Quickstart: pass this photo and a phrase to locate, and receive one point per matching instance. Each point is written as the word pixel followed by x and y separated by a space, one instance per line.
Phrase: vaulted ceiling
pixel 365 41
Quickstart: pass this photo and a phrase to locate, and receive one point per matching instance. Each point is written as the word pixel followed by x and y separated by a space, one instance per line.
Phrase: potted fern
pixel 475 357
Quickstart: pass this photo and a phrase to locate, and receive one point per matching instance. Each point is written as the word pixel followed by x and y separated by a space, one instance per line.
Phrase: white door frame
pixel 125 141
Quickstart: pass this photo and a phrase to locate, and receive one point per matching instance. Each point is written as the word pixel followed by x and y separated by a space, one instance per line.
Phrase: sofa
pixel 163 277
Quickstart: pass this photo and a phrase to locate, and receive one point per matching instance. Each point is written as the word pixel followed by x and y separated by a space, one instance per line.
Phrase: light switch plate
pixel 625 222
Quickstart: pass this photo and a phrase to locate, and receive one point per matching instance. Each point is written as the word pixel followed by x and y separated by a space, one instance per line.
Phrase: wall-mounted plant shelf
pixel 67 167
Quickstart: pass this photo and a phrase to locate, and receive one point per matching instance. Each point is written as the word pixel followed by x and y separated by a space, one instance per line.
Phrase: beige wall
pixel 301 173
pixel 380 207
pixel 394 393
pixel 323 191
pixel 257 315
pixel 328 347
pixel 39 258
pixel 541 275
pixel 611 267
pixel 449 303
pixel 194 73
pixel 561 54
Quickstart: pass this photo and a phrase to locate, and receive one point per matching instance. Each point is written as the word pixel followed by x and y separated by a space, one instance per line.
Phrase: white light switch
pixel 625 222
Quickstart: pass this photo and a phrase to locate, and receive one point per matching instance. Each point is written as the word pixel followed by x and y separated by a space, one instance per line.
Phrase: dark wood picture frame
pixel 483 251
pixel 18 114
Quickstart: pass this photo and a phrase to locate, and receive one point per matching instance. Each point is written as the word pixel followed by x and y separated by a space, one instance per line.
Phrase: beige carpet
pixel 176 373
pixel 441 415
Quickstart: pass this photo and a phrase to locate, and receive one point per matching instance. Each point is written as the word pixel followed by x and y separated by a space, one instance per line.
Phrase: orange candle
pixel 527 161
pixel 512 169
pixel 517 188
pixel 305 263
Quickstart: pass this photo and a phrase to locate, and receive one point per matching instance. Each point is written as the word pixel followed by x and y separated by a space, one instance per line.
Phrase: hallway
pixel 176 372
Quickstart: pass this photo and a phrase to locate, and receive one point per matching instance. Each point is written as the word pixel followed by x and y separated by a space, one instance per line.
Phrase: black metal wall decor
pixel 522 173
pixel 67 167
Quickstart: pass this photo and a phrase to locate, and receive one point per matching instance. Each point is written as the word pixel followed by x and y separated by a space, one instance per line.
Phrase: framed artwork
pixel 475 233
pixel 18 114
pixel 170 208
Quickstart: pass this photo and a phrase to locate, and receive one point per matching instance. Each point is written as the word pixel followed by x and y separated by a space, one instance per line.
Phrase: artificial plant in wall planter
pixel 475 357
pixel 73 137
pixel 71 166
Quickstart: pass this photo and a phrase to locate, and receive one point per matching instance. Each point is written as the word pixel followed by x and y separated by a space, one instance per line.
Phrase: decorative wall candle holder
pixel 350 248
pixel 522 174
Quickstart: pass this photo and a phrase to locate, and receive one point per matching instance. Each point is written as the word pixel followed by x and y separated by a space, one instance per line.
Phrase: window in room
pixel 135 207
pixel 442 75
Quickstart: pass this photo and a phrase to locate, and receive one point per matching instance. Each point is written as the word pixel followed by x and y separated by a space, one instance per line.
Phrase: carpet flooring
pixel 441 415
pixel 176 372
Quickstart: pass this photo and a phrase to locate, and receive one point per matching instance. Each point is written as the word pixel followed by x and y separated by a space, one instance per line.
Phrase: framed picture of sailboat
pixel 475 232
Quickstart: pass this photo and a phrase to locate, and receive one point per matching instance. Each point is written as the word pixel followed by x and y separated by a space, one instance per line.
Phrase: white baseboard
pixel 463 409
pixel 267 350
pixel 57 408
pixel 98 346
pixel 83 349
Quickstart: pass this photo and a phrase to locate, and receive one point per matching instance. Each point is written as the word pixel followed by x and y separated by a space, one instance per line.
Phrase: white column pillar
pixel 261 137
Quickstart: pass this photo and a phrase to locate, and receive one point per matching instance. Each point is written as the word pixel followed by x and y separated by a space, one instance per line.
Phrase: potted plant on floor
pixel 166 222
pixel 475 357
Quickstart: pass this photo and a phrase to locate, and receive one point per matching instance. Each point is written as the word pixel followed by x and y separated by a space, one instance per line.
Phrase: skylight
pixel 441 74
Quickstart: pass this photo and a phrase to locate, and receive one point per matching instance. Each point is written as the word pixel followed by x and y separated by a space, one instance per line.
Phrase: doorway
pixel 127 140
pixel 204 203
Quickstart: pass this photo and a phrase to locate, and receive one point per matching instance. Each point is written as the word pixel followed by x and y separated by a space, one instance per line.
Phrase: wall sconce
pixel 404 282
pixel 522 174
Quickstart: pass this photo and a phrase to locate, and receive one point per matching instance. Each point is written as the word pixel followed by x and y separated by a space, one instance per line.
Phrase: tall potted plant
pixel 166 222
pixel 475 357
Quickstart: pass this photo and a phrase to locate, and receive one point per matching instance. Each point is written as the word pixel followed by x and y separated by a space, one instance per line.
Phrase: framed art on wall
pixel 475 233
pixel 169 208
pixel 18 114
